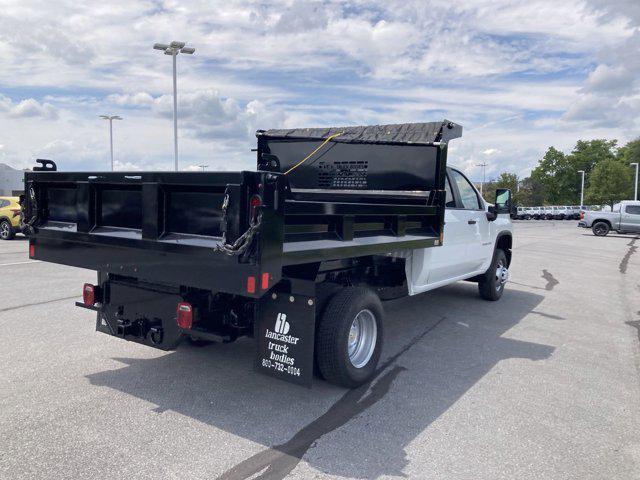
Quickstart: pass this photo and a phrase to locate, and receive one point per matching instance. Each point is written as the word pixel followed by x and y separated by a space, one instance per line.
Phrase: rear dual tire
pixel 349 337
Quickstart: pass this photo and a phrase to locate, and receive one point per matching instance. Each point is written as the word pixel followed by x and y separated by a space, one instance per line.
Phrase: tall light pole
pixel 635 195
pixel 173 49
pixel 582 189
pixel 111 118
pixel 483 165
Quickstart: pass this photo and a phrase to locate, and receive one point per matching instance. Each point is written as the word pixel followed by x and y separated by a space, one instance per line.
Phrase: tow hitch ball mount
pixel 141 328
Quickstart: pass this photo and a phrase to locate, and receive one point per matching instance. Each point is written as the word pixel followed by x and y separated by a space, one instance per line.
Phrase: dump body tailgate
pixel 163 227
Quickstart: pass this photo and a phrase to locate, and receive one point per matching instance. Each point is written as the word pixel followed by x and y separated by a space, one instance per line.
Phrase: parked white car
pixel 562 212
pixel 536 213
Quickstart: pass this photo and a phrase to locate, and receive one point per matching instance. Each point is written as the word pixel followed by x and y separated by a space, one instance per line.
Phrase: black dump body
pixel 245 251
pixel 369 191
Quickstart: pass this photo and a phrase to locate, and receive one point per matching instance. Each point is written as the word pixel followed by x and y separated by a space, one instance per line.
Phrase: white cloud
pixel 611 94
pixel 131 99
pixel 28 107
pixel 125 166
pixel 610 79
pixel 524 73
pixel 206 115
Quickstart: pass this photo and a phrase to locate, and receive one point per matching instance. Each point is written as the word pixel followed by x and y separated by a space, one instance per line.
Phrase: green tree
pixel 588 153
pixel 611 180
pixel 505 180
pixel 489 191
pixel 532 193
pixel 557 173
pixel 630 153
pixel 551 172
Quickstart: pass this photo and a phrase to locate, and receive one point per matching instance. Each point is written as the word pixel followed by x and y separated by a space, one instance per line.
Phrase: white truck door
pixel 430 266
pixel 630 218
pixel 478 235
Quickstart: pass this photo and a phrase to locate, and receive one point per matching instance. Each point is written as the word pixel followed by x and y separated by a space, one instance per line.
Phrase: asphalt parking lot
pixel 543 384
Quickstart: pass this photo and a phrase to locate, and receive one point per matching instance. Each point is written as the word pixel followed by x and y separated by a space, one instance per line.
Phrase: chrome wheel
pixel 5 230
pixel 502 275
pixel 363 336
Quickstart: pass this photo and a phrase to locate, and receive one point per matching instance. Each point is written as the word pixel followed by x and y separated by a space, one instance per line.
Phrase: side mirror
pixel 502 204
pixel 503 200
pixel 492 213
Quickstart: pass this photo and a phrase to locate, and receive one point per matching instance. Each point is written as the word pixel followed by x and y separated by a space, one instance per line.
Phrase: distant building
pixel 11 181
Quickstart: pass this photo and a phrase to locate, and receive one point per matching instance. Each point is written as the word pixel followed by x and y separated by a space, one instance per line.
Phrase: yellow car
pixel 10 216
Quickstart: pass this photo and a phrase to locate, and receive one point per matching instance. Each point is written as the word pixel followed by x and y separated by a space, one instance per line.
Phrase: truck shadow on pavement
pixel 438 345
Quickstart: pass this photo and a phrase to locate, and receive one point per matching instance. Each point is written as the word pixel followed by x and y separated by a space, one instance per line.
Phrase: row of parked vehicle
pixel 550 212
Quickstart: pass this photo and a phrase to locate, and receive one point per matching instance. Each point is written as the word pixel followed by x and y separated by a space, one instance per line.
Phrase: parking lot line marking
pixel 2 310
pixel 19 263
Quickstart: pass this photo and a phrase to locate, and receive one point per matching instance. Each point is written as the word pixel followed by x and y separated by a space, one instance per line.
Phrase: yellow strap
pixel 312 153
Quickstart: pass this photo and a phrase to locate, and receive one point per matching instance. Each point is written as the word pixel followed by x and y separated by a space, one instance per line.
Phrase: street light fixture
pixel 173 49
pixel 483 165
pixel 111 118
pixel 635 195
pixel 582 189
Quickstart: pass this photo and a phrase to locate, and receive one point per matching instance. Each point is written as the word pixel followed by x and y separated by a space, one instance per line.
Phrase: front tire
pixel 600 229
pixel 491 284
pixel 349 337
pixel 6 230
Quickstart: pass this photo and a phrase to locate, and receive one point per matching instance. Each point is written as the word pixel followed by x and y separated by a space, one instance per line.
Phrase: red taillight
pixel 264 284
pixel 32 251
pixel 89 294
pixel 581 215
pixel 16 211
pixel 254 203
pixel 251 284
pixel 184 315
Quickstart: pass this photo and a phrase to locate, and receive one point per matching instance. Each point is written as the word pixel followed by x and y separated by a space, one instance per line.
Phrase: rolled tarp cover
pixel 409 133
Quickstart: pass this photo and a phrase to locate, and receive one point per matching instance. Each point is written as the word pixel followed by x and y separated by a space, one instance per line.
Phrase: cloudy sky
pixel 518 75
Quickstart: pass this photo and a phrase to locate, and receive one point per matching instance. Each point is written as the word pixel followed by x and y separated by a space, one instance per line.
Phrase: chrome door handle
pixel 471 222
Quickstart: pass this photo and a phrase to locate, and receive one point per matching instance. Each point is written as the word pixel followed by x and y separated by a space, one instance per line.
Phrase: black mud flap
pixel 286 330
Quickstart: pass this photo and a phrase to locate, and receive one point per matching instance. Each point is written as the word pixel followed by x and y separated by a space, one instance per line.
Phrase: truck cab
pixel 471 237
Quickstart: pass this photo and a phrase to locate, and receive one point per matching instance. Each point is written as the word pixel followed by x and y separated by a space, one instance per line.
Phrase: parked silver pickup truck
pixel 624 218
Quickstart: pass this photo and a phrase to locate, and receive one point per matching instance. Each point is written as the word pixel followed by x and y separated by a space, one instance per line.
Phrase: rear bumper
pixel 146 314
pixel 140 315
pixel 582 224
